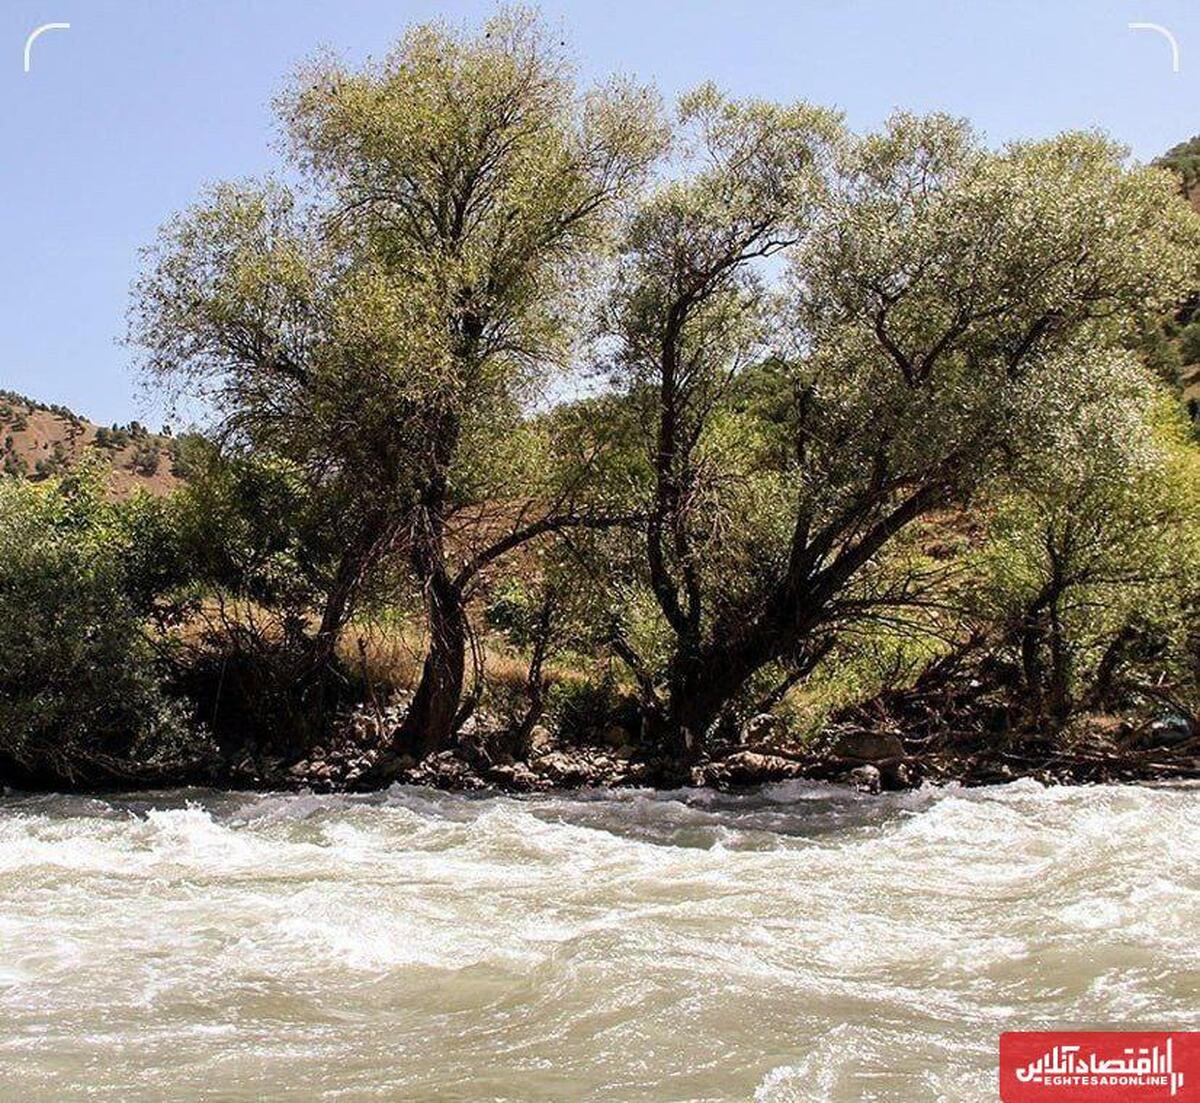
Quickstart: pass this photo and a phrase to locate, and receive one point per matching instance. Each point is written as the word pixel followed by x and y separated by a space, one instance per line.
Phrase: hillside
pixel 38 441
pixel 1182 333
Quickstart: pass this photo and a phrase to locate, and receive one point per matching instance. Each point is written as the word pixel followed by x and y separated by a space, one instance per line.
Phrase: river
pixel 802 944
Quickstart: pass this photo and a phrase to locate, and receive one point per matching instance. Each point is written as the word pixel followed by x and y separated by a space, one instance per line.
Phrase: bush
pixel 81 697
pixel 146 459
pixel 581 709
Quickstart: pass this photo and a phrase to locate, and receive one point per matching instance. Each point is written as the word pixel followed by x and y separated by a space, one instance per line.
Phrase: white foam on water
pixel 802 943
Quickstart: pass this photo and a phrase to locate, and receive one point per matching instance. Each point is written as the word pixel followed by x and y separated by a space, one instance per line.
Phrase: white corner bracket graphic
pixel 1158 28
pixel 33 37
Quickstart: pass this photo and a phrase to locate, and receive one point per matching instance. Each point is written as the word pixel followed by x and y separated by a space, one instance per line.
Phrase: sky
pixel 126 116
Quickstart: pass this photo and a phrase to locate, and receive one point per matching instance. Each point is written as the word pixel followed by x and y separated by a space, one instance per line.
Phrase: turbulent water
pixel 803 944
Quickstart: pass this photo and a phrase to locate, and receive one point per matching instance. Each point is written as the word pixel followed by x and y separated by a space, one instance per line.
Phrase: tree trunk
pixel 360 554
pixel 431 718
pixel 1060 672
pixel 333 617
pixel 702 687
pixel 535 680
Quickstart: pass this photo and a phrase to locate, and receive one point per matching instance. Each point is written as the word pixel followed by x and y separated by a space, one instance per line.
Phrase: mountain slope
pixel 38 441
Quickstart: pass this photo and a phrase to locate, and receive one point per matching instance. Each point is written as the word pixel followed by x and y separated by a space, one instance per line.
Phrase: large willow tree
pixel 380 334
pixel 944 306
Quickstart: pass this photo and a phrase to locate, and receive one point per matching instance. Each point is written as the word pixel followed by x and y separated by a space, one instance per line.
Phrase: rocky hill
pixel 38 441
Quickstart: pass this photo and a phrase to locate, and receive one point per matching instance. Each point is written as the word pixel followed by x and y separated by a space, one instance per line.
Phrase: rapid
pixel 801 944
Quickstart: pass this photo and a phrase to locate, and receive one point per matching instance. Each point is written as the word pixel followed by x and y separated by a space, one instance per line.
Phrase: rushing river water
pixel 803 944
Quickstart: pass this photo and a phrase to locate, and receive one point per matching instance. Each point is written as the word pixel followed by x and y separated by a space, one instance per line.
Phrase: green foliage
pixel 81 699
pixel 817 341
pixel 1184 160
pixel 580 708
pixel 950 311
pixel 146 459
pixel 113 439
pixel 187 452
pixel 251 530
pixel 1088 574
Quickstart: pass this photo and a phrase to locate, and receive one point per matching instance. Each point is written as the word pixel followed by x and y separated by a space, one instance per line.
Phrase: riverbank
pixel 485 758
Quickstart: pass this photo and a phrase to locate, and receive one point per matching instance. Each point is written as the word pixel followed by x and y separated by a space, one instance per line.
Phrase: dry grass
pixel 386 656
pixel 391 655
pixel 388 653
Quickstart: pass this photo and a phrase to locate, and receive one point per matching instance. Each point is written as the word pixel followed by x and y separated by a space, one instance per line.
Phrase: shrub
pixel 146 459
pixel 81 697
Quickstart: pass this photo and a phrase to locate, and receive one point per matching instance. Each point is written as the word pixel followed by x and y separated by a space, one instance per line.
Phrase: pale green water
pixel 802 945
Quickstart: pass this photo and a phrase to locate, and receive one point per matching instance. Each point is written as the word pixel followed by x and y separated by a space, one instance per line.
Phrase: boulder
pixel 516 779
pixel 749 768
pixel 866 779
pixel 446 771
pixel 635 773
pixel 895 775
pixel 539 742
pixel 1169 731
pixel 765 726
pixel 867 746
pixel 562 769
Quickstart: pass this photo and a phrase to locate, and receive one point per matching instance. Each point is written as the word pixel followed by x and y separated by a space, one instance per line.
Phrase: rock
pixel 539 742
pixel 749 768
pixel 636 773
pixel 562 769
pixel 516 779
pixel 867 746
pixel 299 769
pixel 625 753
pixel 1169 731
pixel 866 779
pixel 764 726
pixel 473 744
pixel 895 775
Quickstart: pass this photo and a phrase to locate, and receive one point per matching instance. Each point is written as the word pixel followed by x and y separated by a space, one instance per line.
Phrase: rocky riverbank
pixel 486 756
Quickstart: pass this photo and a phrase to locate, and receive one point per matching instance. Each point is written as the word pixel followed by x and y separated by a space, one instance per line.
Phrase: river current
pixel 800 945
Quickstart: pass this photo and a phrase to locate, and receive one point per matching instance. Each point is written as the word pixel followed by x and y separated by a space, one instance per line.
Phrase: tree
pixel 85 581
pixel 1088 569
pixel 945 305
pixel 464 189
pixel 298 348
pixel 690 311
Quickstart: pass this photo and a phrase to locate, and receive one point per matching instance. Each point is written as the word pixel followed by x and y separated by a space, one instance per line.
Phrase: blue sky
pixel 124 117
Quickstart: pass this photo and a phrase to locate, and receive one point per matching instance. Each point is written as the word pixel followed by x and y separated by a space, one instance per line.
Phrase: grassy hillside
pixel 38 441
